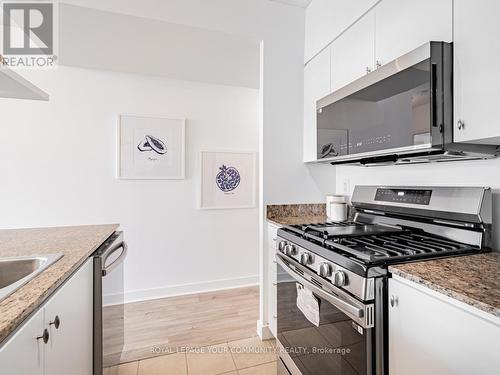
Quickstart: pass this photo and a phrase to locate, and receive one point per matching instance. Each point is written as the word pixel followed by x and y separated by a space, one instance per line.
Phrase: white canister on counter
pixel 336 207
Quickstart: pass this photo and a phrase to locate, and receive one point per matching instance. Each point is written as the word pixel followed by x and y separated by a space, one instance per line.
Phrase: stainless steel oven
pixel 341 343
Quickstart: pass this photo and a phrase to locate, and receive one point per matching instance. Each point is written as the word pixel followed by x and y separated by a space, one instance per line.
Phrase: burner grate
pixel 387 248
pixel 321 231
pixel 379 244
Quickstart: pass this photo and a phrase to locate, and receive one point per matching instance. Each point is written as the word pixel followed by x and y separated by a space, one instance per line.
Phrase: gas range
pixel 345 264
pixel 391 226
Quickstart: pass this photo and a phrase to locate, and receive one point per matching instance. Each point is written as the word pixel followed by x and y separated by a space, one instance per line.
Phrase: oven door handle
pixel 354 312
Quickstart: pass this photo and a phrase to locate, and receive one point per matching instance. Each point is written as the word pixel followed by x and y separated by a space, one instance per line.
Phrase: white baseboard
pixel 178 290
pixel 263 331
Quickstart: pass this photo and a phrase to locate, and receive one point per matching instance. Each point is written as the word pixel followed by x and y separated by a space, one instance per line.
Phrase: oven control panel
pixel 411 196
pixel 338 276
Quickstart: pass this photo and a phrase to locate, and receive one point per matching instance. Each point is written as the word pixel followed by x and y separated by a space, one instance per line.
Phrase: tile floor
pixel 242 357
pixel 219 316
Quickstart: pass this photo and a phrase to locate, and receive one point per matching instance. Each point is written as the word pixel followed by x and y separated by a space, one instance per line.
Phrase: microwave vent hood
pixel 401 113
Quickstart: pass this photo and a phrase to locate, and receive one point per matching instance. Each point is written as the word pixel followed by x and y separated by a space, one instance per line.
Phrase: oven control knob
pixel 325 270
pixel 339 278
pixel 305 259
pixel 290 250
pixel 281 246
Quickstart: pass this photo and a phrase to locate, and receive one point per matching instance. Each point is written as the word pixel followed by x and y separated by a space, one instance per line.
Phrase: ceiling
pixel 298 3
pixel 193 54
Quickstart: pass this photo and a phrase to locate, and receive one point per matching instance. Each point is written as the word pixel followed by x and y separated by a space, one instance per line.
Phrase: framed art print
pixel 228 179
pixel 151 147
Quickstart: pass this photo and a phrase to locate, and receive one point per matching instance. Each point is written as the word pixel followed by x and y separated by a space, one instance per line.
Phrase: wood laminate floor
pixel 171 327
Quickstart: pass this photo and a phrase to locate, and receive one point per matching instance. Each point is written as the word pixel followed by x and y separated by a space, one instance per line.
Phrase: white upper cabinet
pixel 353 53
pixel 476 71
pixel 326 19
pixel 403 25
pixel 316 86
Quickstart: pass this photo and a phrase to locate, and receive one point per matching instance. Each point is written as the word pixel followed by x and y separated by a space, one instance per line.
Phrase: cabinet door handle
pixel 460 125
pixel 368 70
pixel 378 64
pixel 394 301
pixel 56 323
pixel 45 336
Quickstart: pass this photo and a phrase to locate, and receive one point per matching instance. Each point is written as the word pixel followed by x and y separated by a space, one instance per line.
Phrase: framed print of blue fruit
pixel 151 148
pixel 227 179
pixel 151 143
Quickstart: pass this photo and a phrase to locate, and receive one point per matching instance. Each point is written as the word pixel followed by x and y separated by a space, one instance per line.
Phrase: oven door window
pixel 337 346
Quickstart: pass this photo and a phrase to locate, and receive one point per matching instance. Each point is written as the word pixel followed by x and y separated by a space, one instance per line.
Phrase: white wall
pixel 58 163
pixel 281 29
pixel 283 178
pixel 469 173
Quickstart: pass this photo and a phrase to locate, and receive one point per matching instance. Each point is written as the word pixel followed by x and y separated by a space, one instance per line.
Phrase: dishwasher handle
pixel 111 250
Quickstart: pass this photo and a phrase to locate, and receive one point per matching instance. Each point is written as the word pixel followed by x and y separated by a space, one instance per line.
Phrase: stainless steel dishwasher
pixel 108 294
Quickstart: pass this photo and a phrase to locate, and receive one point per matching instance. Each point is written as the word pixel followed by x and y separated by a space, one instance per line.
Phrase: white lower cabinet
pixel 430 333
pixel 67 320
pixel 69 350
pixel 23 354
pixel 273 301
pixel 272 277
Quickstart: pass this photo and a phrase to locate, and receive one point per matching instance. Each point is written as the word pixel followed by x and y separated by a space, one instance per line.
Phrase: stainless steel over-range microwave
pixel 400 113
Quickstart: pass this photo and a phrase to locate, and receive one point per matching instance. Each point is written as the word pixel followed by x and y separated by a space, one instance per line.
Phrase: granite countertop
pixel 472 279
pixel 76 243
pixel 290 214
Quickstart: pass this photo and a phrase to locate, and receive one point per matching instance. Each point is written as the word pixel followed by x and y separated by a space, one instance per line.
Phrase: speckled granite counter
pixel 474 279
pixel 289 214
pixel 76 243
